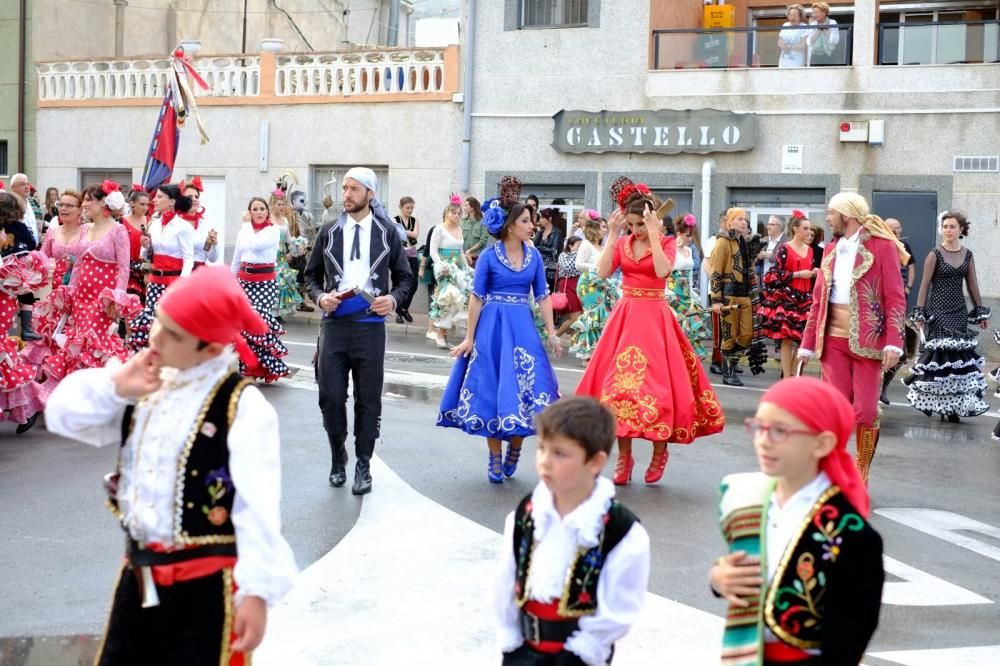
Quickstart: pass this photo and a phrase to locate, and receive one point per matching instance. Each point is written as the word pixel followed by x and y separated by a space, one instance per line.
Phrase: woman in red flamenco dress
pixel 21 271
pixel 644 369
pixel 96 297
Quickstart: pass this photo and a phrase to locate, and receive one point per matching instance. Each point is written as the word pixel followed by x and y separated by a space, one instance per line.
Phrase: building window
pixel 90 177
pixel 327 181
pixel 521 14
pixel 3 158
pixel 939 33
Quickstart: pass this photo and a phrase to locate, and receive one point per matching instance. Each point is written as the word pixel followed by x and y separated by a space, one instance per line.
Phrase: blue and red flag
pixel 178 103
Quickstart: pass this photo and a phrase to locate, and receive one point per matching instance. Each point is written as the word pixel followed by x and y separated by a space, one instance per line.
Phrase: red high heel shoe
pixel 623 470
pixel 656 466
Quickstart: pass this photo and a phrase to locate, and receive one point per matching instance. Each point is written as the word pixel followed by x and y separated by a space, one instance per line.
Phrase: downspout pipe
pixel 707 168
pixel 120 27
pixel 470 57
pixel 22 92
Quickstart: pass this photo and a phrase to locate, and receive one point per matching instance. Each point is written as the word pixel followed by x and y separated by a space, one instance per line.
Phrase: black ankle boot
pixel 886 380
pixel 27 333
pixel 729 377
pixel 362 468
pixel 338 469
pixel 27 425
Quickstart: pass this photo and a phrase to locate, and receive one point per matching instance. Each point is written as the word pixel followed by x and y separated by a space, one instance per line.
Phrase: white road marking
pixel 949 527
pixel 984 655
pixel 433 594
pixel 920 588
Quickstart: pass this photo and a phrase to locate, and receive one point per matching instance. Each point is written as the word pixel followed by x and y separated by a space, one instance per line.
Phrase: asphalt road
pixel 61 550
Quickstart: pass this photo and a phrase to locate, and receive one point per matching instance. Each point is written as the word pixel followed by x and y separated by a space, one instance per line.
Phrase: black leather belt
pixel 254 270
pixel 162 273
pixel 142 557
pixel 536 630
pixel 731 289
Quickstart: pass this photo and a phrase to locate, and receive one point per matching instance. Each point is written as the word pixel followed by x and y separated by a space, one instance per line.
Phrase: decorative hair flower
pixel 630 189
pixel 493 215
pixel 456 200
pixel 114 201
pixel 798 214
pixel 137 187
pixel 592 214
pixel 689 220
pixel 109 186
pixel 278 193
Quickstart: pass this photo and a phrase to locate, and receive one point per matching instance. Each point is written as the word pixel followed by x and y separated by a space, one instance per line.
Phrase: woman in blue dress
pixel 502 377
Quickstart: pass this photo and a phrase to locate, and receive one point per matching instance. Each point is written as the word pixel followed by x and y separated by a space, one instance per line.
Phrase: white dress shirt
pixel 771 245
pixel 785 522
pixel 85 407
pixel 621 587
pixel 175 239
pixel 255 247
pixel 200 236
pixel 843 269
pixel 29 219
pixel 357 272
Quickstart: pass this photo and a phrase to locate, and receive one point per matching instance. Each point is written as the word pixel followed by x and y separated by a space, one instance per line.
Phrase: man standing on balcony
pixel 348 278
pixel 855 325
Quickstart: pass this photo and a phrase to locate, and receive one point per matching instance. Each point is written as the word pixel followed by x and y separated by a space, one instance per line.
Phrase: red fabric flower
pixel 217 515
pixel 109 186
pixel 585 597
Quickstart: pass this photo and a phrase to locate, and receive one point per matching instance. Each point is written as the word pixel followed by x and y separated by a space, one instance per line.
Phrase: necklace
pixel 945 247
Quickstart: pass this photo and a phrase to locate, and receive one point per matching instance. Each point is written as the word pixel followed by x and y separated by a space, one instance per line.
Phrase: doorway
pixel 917 211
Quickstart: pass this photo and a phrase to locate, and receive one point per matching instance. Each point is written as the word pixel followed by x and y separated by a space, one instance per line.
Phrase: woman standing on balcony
pixel 170 246
pixel 824 37
pixel 793 39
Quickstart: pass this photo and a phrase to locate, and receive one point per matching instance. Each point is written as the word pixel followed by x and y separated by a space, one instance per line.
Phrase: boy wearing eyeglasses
pixel 803 575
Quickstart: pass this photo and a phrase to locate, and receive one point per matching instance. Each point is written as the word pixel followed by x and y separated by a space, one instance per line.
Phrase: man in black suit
pixel 348 278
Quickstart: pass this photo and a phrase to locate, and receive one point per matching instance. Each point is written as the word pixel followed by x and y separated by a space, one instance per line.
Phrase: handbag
pixel 560 301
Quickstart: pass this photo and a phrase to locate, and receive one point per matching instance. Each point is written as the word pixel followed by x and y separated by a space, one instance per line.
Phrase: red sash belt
pixel 166 269
pixel 550 612
pixel 784 653
pixel 256 272
pixel 168 574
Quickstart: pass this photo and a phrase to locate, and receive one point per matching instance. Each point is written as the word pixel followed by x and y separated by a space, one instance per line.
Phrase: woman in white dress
pixel 206 239
pixel 449 305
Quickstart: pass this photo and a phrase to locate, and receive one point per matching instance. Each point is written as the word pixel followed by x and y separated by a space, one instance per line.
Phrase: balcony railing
pixel 267 78
pixel 761 46
pixel 140 78
pixel 361 73
pixel 942 43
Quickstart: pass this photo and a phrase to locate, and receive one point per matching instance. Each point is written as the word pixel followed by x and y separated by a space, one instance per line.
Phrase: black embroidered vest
pixel 203 489
pixel 580 591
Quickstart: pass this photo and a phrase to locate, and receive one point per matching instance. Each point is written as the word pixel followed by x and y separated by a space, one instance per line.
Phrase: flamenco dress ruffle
pixel 21 396
pixel 267 348
pixel 289 297
pixel 598 297
pixel 450 302
pixel 680 301
pixel 784 311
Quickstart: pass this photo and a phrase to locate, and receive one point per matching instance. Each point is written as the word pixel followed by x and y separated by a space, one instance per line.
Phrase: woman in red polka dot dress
pixel 21 271
pixel 97 298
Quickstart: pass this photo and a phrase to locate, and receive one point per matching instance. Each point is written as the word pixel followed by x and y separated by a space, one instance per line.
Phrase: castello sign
pixel 664 131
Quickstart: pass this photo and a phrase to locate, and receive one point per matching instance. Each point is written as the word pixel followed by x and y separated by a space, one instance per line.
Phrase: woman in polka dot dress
pixel 98 296
pixel 254 265
pixel 948 376
pixel 170 243
pixel 61 248
pixel 21 271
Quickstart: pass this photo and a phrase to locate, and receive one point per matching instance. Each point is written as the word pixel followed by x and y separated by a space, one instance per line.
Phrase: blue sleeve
pixel 481 279
pixel 539 287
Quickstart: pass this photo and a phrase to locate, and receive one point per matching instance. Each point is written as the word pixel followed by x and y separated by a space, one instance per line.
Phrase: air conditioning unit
pixel 854 131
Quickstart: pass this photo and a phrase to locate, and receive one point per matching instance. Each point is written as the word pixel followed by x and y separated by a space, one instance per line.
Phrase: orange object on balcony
pixel 719 16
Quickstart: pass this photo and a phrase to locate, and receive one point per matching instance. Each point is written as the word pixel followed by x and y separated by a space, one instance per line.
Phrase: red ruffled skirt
pixel 645 371
pixel 20 395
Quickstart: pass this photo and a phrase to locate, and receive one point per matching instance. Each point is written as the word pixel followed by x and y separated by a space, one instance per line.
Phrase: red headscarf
pixel 821 407
pixel 212 306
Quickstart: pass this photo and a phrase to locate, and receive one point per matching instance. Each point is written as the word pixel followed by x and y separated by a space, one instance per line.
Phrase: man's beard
pixel 357 208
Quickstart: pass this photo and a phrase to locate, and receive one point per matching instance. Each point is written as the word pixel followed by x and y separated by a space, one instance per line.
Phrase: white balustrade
pixel 382 72
pixel 144 78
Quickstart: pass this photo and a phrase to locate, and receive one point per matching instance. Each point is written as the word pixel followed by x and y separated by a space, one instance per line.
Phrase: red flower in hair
pixel 137 187
pixel 109 186
pixel 643 190
pixel 796 213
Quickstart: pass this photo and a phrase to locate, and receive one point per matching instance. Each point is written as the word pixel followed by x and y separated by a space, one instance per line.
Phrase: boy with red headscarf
pixel 804 574
pixel 198 484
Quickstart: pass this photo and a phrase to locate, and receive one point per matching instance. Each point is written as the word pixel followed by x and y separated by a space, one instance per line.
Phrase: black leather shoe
pixel 399 319
pixel 715 369
pixel 729 377
pixel 338 476
pixel 407 316
pixel 362 478
pixel 27 425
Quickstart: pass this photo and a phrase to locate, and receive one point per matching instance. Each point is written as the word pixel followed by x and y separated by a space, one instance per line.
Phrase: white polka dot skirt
pixel 268 347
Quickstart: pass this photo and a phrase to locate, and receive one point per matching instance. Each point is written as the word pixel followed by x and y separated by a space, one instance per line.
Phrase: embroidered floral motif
pixel 799 603
pixel 829 532
pixel 630 406
pixel 217 483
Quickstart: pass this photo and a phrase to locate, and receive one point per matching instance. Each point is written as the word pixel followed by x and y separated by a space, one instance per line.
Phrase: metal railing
pixel 144 78
pixel 760 46
pixel 372 72
pixel 941 43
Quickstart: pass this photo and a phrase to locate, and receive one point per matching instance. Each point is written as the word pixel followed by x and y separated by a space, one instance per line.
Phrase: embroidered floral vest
pixel 203 489
pixel 580 591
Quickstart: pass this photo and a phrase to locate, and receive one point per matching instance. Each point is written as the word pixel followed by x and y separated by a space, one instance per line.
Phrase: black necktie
pixel 356 245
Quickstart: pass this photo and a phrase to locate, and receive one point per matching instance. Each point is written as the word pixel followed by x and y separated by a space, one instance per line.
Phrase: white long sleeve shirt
pixel 255 247
pixel 843 269
pixel 621 587
pixel 200 236
pixel 85 407
pixel 175 239
pixel 587 256
pixel 357 272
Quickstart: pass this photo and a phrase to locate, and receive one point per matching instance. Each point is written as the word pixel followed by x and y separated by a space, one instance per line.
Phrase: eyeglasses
pixel 777 433
pixel 66 205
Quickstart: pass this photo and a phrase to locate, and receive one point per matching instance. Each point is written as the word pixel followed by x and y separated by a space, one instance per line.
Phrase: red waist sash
pixel 166 269
pixel 784 653
pixel 256 272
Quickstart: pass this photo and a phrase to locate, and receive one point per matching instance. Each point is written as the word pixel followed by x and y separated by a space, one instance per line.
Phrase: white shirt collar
pixel 210 369
pixel 584 522
pixel 806 495
pixel 365 223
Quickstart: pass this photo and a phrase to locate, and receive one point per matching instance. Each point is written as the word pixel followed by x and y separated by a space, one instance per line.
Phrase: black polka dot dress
pixel 948 376
pixel 268 348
